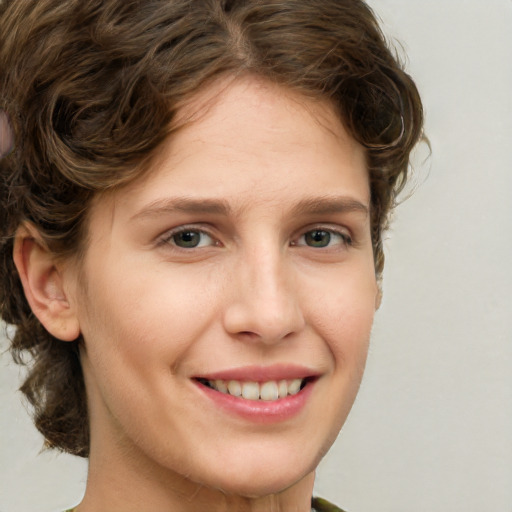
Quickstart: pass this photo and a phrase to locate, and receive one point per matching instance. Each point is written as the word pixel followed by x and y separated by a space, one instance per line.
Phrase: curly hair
pixel 91 88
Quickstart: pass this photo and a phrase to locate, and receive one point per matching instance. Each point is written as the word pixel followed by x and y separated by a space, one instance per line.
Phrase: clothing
pixel 317 505
pixel 321 505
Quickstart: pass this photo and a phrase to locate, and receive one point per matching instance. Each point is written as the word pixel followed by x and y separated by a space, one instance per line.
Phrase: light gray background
pixel 432 427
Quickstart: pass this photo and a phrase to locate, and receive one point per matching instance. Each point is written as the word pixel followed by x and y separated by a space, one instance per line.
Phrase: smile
pixel 260 395
pixel 265 391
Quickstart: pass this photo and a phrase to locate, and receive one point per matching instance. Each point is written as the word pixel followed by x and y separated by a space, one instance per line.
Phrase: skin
pixel 275 168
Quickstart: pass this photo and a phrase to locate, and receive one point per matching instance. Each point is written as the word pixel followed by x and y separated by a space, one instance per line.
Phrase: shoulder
pixel 321 505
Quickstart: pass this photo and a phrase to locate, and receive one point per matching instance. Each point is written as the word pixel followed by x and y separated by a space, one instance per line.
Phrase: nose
pixel 265 304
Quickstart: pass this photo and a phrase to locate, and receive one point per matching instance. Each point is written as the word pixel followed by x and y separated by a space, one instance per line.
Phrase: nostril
pixel 248 334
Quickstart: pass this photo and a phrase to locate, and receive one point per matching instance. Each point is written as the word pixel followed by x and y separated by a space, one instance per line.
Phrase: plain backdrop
pixel 432 427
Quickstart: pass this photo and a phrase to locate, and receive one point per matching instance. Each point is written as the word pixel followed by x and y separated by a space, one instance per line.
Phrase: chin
pixel 259 487
pixel 264 478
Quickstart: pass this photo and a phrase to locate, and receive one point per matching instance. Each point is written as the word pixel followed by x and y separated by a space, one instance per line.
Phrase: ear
pixel 43 284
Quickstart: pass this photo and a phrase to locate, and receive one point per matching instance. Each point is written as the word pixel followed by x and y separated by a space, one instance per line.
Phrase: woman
pixel 193 200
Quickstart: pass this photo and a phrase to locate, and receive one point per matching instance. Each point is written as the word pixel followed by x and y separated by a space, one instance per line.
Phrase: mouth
pixel 267 391
pixel 260 395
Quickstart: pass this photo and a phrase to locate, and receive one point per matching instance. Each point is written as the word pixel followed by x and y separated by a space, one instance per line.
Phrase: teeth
pixel 267 391
pixel 220 385
pixel 251 390
pixel 234 388
pixel 283 388
pixel 294 386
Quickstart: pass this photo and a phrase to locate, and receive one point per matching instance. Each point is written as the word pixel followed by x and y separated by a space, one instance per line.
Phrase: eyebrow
pixel 330 204
pixel 183 205
pixel 323 205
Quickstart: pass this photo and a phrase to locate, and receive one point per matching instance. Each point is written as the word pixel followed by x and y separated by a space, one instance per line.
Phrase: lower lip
pixel 260 411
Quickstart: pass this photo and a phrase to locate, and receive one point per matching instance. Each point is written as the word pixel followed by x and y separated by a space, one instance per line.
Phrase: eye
pixel 189 239
pixel 322 238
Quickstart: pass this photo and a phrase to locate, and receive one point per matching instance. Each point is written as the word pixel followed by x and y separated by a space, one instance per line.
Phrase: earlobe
pixel 43 284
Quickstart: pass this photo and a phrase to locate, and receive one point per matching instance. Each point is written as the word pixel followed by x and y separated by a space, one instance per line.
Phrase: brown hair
pixel 91 88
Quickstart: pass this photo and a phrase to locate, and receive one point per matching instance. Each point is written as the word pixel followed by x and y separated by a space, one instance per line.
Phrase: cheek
pixel 146 320
pixel 345 313
pixel 345 318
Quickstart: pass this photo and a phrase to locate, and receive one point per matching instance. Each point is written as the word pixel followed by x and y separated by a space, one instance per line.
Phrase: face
pixel 241 264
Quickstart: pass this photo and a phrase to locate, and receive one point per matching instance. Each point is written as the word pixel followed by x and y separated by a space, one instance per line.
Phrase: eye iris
pixel 187 239
pixel 318 238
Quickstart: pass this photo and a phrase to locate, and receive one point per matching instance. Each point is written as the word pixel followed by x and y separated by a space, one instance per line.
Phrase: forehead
pixel 256 118
pixel 251 141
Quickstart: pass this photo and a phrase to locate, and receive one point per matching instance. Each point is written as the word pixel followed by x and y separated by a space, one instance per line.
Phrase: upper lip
pixel 261 373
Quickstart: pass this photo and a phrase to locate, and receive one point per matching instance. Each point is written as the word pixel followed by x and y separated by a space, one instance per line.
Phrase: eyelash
pixel 169 237
pixel 346 239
